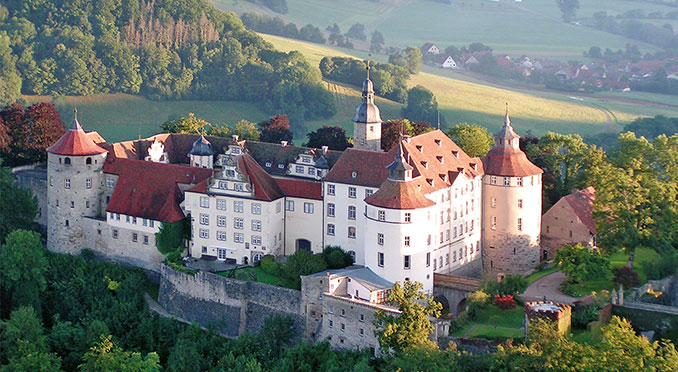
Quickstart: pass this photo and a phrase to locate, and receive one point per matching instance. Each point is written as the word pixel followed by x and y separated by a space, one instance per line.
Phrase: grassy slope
pixel 531 26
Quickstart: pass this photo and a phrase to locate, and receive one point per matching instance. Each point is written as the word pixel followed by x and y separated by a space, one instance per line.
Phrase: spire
pixel 507 120
pixel 506 137
pixel 76 124
pixel 400 169
pixel 368 86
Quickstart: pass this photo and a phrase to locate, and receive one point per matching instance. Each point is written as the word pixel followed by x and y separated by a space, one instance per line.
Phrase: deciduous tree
pixel 187 125
pixel 18 206
pixel 422 106
pixel 472 138
pixel 275 130
pixel 23 267
pixel 106 357
pixel 333 137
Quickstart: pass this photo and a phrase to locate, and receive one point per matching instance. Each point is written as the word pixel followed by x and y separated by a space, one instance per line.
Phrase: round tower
pixel 367 119
pixel 512 193
pixel 75 176
pixel 201 154
pixel 396 214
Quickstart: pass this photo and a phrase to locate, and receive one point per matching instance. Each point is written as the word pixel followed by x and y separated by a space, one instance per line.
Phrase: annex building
pixel 422 208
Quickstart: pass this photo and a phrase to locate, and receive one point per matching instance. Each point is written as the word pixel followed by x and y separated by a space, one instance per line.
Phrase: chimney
pixel 325 148
pixel 283 143
pixel 235 137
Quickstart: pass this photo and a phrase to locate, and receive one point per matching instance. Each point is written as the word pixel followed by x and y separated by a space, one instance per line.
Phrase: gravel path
pixel 546 287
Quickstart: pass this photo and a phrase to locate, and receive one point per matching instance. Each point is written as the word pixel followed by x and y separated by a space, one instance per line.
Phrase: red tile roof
pixel 265 187
pixel 399 195
pixel 369 167
pixel 582 204
pixel 509 162
pixel 150 190
pixel 300 189
pixel 76 142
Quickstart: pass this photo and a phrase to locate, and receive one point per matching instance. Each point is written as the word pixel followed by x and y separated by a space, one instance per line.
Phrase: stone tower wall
pixel 367 136
pixel 506 249
pixel 66 207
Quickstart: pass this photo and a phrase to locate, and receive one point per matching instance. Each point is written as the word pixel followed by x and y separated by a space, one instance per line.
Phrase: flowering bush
pixel 504 302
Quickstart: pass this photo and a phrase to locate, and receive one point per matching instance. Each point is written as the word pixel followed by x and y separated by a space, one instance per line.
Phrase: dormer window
pixel 425 164
pixel 440 159
pixel 430 181
pixel 268 164
pixel 443 177
pixel 229 173
pixel 354 174
pixel 474 166
pixel 281 166
pixel 437 141
pixel 455 153
pixel 305 159
pixel 421 149
pixel 223 185
pixel 235 150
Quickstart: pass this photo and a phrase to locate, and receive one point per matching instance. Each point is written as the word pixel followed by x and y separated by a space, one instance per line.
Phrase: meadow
pixel 533 27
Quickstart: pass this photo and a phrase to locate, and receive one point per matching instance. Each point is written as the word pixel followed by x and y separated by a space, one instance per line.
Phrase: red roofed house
pixel 569 221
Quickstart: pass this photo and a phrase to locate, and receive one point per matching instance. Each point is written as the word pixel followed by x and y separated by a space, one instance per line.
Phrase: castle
pixel 422 208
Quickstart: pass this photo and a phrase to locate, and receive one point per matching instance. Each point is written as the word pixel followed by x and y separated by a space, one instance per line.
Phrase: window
pixel 428 239
pixel 67 161
pixel 442 217
pixel 299 169
pixel 447 259
pixel 67 183
pixel 493 222
pixel 277 207
pixel 331 323
pixel 238 223
pixel 330 189
pixel 238 237
pixel 135 237
pixel 351 212
pixel 223 185
pixel 351 192
pixel 330 209
pixel 238 187
pixel 110 182
pixel 72 204
pixel 204 233
pixel 221 204
pixel 221 235
pixel 408 217
pixel 435 263
pixel 382 215
pixel 428 259
pixel 447 235
pixel 507 181
pixel 407 241
pixel 144 221
pixel 204 202
pixel 221 221
pixel 520 181
pixel 88 183
pixel 289 205
pixel 351 232
pixel 441 237
pixel 362 332
pixel 330 229
pixel 308 208
pixel 256 208
pixel 238 206
pixel 548 229
pixel 115 234
pixel 145 239
pixel 454 256
pixel 204 249
pixel 380 239
pixel 520 203
pixel 256 225
pixel 256 240
pixel 406 262
pixel 454 232
pixel 380 259
pixel 87 204
pixel 204 219
pixel 343 313
pixel 493 202
pixel 311 171
pixel 520 224
pixel 493 180
pixel 368 193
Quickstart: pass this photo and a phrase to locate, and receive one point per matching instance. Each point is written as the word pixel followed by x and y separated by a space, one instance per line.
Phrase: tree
pixel 413 58
pixel 421 106
pixel 475 140
pixel 18 206
pixel 333 137
pixel 105 357
pixel 275 130
pixel 568 8
pixel 377 42
pixel 10 81
pixel 303 263
pixel 44 130
pixel 392 129
pixel 186 125
pixel 278 333
pixel 581 264
pixel 23 267
pixel 22 334
pixel 246 130
pixel 410 329
pixel 653 127
pixel 357 31
pixel 336 258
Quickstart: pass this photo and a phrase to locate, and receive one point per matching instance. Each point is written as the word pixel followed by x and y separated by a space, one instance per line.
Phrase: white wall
pixel 302 225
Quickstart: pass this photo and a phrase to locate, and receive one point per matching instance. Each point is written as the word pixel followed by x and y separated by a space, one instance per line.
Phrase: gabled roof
pixel 582 204
pixel 274 154
pixel 75 142
pixel 150 190
pixel 369 167
pixel 300 188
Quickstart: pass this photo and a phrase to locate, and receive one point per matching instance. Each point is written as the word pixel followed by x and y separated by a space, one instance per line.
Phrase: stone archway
pixel 303 245
pixel 461 306
pixel 443 301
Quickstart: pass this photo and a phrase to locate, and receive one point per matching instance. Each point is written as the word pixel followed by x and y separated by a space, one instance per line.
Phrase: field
pixel 506 26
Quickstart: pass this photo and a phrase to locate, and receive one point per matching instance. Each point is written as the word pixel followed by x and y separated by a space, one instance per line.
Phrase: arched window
pixel 67 161
pixel 88 161
pixel 59 160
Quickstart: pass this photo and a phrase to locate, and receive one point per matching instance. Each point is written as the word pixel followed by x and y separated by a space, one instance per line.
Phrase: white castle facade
pixel 422 208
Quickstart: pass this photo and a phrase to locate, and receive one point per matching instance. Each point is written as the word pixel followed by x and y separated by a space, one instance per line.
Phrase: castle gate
pixel 452 290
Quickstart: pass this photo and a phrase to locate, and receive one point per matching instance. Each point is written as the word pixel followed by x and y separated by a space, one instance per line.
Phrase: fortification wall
pixel 34 178
pixel 231 306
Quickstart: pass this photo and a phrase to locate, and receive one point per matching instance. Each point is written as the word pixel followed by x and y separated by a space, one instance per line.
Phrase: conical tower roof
pixel 367 112
pixel 506 131
pixel 75 142
pixel 201 147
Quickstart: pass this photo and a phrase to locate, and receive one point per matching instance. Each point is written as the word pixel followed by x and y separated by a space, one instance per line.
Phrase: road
pixel 547 287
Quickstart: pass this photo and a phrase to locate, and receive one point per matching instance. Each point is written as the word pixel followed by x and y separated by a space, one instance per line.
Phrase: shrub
pixel 583 315
pixel 510 285
pixel 459 322
pixel 477 301
pixel 336 258
pixel 504 302
pixel 662 268
pixel 268 265
pixel 303 263
pixel 627 277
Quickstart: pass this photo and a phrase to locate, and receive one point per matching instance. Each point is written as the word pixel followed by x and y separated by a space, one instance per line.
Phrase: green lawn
pixel 491 331
pixel 533 27
pixel 262 277
pixel 490 318
pixel 539 274
pixel 643 254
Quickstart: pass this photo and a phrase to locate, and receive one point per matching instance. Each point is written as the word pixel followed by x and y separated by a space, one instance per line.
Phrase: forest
pixel 161 49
